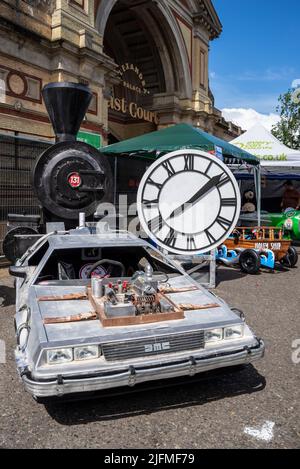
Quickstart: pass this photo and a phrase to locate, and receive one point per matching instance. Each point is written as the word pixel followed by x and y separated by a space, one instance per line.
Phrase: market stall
pixel 150 146
pixel 178 137
pixel 278 164
pixel 265 146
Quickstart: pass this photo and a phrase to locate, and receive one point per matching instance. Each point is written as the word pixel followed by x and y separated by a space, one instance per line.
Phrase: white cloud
pixel 247 118
pixel 296 83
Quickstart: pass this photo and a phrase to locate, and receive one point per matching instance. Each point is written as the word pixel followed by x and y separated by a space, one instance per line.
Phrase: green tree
pixel 288 128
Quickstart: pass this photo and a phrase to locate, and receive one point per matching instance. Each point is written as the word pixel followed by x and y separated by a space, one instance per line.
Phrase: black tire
pixel 291 258
pixel 250 262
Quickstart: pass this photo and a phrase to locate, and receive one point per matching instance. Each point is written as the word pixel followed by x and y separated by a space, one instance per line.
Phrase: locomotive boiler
pixel 69 177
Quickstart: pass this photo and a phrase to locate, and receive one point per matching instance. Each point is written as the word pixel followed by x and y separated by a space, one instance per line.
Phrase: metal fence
pixel 17 158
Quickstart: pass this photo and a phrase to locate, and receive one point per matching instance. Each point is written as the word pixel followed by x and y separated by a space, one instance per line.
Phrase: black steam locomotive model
pixel 69 178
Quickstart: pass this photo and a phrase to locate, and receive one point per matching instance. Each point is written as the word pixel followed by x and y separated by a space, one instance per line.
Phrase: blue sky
pixel 257 56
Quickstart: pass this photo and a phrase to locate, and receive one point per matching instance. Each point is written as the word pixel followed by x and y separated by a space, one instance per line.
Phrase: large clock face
pixel 188 202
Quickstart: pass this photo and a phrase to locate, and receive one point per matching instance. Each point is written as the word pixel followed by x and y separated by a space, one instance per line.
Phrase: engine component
pixel 111 296
pixel 143 283
pixel 119 309
pixel 147 304
pixel 97 287
pixel 138 297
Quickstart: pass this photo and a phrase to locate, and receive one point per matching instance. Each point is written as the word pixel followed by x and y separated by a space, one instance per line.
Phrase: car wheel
pixel 249 262
pixel 291 258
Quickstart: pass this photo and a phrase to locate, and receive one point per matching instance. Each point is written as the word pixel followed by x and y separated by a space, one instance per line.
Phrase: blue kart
pixel 249 260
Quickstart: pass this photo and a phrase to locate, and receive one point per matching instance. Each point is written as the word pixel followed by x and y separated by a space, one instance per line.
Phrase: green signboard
pixel 95 140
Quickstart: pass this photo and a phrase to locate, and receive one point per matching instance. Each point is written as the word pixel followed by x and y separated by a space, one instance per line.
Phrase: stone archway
pixel 161 24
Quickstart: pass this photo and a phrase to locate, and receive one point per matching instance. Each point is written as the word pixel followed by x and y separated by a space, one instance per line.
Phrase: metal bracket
pixel 193 366
pixel 248 350
pixel 60 385
pixel 132 377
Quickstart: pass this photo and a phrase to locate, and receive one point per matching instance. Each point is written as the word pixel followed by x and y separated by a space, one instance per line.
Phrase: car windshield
pixel 120 261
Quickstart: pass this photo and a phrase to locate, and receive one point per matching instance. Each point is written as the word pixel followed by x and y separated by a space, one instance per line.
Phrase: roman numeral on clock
pixel 169 168
pixel 189 162
pixel 153 183
pixel 210 237
pixel 190 243
pixel 228 202
pixel 208 167
pixel 224 180
pixel 150 203
pixel 224 222
pixel 170 240
pixel 155 224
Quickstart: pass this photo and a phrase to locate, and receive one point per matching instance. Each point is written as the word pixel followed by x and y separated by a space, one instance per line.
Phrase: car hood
pixel 88 330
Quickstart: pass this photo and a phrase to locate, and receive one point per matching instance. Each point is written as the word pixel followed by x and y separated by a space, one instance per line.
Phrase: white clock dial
pixel 188 202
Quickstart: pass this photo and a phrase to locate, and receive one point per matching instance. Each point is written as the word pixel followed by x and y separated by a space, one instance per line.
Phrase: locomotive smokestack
pixel 66 104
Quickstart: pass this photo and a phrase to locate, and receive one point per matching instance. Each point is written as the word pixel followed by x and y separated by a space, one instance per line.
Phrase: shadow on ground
pixel 208 387
pixel 227 274
pixel 7 296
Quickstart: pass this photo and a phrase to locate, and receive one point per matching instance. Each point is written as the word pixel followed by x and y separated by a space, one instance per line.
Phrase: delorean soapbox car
pixel 104 310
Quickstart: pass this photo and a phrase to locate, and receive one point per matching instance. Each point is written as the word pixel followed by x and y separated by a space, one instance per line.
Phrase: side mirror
pixel 18 271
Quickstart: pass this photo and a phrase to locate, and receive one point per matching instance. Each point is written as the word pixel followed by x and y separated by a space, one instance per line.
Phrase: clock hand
pixel 203 191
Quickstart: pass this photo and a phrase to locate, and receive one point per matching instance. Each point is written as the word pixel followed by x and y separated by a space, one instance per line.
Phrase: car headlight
pixel 288 224
pixel 213 335
pixel 62 355
pixel 234 332
pixel 87 352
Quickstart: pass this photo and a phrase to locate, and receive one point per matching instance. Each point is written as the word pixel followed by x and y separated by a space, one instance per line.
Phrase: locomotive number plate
pixel 74 180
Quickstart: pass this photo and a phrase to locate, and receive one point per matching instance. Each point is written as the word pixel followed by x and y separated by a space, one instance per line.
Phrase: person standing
pixel 291 197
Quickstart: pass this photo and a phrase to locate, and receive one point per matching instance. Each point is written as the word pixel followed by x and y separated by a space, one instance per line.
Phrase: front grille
pixel 153 346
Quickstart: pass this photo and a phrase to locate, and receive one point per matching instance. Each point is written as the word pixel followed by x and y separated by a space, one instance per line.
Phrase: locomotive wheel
pixel 9 245
pixel 250 262
pixel 72 177
pixel 291 258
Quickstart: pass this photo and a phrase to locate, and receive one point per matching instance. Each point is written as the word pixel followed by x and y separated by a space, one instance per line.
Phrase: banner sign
pixel 95 140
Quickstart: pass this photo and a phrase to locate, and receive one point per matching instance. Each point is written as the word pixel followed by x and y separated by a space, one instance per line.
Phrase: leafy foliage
pixel 288 128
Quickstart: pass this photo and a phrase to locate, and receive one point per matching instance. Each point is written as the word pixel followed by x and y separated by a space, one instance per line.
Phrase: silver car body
pixel 129 355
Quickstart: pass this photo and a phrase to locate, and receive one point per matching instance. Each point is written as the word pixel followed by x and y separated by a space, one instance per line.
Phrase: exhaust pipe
pixel 66 104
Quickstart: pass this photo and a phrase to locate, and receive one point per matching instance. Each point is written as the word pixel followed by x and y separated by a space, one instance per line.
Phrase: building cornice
pixel 206 16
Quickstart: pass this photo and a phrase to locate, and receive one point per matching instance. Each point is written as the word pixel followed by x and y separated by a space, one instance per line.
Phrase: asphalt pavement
pixel 253 407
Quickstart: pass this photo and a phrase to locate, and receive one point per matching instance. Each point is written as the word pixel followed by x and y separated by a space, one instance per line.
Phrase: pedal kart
pixel 252 249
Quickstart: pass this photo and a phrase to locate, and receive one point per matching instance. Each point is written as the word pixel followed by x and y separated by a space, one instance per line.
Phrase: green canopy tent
pixel 177 137
pixel 180 137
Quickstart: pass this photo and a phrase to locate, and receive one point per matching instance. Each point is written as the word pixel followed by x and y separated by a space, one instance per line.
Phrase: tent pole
pixel 258 193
